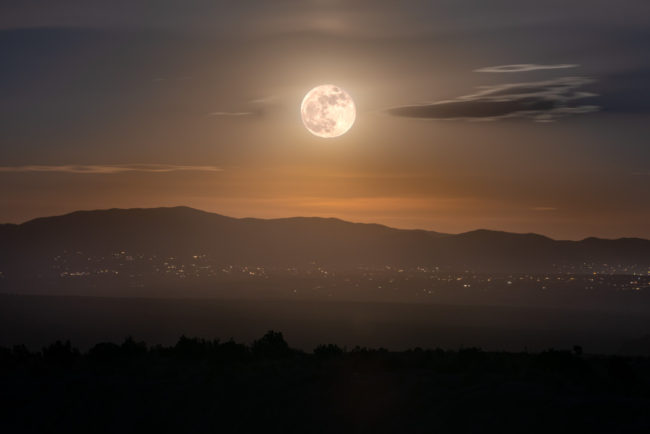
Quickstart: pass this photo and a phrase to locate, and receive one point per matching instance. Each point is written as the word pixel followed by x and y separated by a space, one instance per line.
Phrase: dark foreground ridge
pixel 213 386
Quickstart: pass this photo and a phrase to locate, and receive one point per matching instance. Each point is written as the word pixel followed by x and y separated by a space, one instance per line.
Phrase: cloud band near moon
pixel 542 101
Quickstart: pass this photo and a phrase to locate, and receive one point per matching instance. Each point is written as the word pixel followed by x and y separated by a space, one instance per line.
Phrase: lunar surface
pixel 328 111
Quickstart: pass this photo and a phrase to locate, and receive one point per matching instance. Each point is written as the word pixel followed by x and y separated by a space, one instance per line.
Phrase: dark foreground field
pixel 592 382
pixel 199 386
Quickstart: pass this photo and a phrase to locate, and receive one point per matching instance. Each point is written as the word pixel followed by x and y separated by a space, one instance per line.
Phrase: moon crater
pixel 328 111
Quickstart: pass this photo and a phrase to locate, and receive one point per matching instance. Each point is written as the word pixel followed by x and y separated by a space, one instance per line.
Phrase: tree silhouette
pixel 272 345
pixel 60 352
pixel 328 351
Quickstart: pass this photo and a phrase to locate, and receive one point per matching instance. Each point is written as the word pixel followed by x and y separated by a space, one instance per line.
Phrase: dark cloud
pixel 543 101
pixel 524 67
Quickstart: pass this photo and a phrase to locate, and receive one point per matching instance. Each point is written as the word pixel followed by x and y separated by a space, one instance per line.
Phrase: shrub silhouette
pixel 232 351
pixel 132 348
pixel 561 362
pixel 328 351
pixel 272 345
pixel 60 352
pixel 194 347
pixel 105 351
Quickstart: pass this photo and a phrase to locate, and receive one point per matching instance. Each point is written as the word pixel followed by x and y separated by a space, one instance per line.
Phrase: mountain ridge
pixel 307 218
pixel 187 232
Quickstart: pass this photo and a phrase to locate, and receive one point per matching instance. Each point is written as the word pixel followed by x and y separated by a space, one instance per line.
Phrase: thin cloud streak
pixel 542 101
pixel 232 114
pixel 524 67
pixel 255 108
pixel 93 169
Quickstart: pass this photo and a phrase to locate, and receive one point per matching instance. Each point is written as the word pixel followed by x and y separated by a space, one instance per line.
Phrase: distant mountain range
pixel 186 232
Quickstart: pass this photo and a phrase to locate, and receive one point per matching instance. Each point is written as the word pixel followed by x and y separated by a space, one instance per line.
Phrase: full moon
pixel 328 111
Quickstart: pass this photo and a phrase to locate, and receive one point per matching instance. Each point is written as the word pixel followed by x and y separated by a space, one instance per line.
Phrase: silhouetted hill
pixel 182 231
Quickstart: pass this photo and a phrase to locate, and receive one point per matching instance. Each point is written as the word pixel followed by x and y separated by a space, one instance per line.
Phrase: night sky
pixel 511 115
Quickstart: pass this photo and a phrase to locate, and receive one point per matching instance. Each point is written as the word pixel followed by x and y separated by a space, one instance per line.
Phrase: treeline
pixel 273 347
pixel 200 385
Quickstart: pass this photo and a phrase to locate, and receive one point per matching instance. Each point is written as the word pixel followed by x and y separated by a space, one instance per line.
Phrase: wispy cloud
pixel 251 109
pixel 232 114
pixel 109 169
pixel 524 67
pixel 542 101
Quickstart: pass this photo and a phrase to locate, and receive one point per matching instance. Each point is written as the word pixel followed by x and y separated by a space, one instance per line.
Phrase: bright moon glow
pixel 328 111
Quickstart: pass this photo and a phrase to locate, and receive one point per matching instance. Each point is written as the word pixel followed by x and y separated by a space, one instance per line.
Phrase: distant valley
pixel 187 252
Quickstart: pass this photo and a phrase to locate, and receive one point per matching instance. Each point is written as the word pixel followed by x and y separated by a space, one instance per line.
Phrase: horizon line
pixel 317 217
